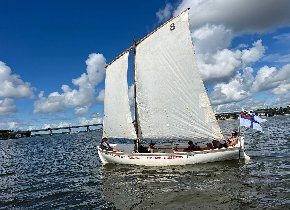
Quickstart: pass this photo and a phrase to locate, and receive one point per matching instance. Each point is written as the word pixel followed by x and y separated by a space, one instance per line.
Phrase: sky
pixel 53 54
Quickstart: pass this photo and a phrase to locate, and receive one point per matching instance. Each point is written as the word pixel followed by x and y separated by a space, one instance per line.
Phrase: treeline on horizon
pixel 267 112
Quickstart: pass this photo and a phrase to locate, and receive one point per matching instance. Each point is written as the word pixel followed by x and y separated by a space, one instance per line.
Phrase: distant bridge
pixel 10 134
pixel 69 128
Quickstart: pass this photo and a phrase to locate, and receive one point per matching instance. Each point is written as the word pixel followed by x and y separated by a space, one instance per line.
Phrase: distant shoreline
pixel 268 112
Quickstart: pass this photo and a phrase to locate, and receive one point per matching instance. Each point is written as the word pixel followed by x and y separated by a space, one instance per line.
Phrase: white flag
pixel 250 120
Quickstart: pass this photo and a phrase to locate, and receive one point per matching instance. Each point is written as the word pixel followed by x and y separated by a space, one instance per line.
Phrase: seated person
pixel 191 147
pixel 175 149
pixel 209 146
pixel 216 144
pixel 142 149
pixel 231 141
pixel 234 139
pixel 104 145
pixel 152 148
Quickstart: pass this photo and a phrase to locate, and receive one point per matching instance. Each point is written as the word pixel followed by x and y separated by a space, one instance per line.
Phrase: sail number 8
pixel 172 26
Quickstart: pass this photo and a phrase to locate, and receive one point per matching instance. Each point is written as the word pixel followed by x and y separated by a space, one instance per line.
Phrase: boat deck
pixel 165 149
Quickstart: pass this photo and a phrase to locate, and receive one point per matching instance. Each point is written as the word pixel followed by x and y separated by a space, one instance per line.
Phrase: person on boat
pixel 175 149
pixel 191 147
pixel 151 147
pixel 231 141
pixel 216 144
pixel 142 149
pixel 105 144
pixel 234 138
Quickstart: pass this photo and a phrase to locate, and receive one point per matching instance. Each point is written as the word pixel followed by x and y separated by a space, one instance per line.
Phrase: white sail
pixel 117 122
pixel 171 98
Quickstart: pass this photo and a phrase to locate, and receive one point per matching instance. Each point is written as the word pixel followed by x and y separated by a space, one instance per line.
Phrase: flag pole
pixel 239 135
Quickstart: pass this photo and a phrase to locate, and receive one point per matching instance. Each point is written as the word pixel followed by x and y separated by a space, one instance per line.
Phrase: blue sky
pixel 53 53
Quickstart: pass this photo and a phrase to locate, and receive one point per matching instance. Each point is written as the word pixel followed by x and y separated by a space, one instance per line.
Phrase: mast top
pixel 138 42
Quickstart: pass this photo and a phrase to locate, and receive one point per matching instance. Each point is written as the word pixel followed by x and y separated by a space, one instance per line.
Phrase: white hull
pixel 170 159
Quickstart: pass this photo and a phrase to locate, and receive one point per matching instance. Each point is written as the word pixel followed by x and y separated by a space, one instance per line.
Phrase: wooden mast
pixel 136 123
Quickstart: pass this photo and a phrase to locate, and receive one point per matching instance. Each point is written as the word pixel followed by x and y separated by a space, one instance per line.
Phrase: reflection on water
pixel 64 172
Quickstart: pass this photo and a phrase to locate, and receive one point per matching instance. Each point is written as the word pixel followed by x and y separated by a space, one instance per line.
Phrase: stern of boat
pixel 243 154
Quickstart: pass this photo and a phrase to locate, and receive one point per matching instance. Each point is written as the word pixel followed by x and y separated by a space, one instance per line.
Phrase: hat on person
pixel 104 139
pixel 234 132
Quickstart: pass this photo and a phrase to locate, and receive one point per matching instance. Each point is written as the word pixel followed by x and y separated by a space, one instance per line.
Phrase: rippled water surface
pixel 63 172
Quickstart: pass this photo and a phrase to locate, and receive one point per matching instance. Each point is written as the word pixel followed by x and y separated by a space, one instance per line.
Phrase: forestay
pixel 171 98
pixel 117 117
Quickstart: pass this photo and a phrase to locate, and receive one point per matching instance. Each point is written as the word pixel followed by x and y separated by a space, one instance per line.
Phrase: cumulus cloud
pixel 243 85
pixel 11 84
pixel 229 92
pixel 242 16
pixel 7 106
pixel 224 64
pixel 237 89
pixel 253 54
pixel 271 77
pixel 227 63
pixel 208 39
pixel 79 98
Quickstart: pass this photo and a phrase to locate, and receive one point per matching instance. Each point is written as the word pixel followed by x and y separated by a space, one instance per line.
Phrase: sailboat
pixel 171 103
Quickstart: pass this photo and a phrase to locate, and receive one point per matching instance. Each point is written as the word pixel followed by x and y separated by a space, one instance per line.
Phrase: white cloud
pixel 11 84
pixel 12 125
pixel 81 110
pixel 282 89
pixel 242 16
pixel 101 96
pixel 236 90
pixel 9 125
pixel 232 91
pixel 282 37
pixel 131 95
pixel 53 103
pixel 224 64
pixel 7 106
pixel 208 39
pixel 63 124
pixel 253 54
pixel 271 77
pixel 164 14
pixel 277 58
pixel 248 104
pixel 93 120
pixel 84 96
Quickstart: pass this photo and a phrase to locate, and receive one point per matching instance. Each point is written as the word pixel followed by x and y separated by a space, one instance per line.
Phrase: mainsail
pixel 117 122
pixel 171 98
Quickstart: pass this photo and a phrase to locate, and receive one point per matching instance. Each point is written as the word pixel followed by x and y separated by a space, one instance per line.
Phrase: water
pixel 63 172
